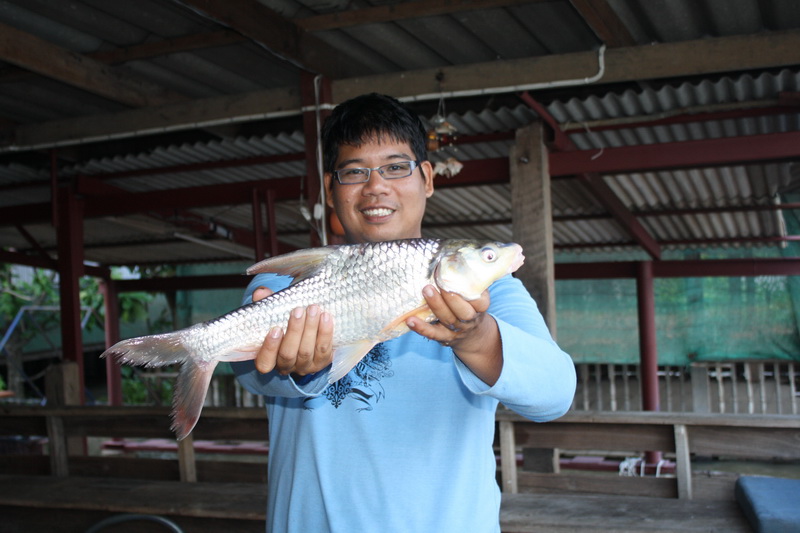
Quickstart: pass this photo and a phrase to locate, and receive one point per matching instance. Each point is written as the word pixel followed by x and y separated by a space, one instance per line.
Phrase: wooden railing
pixel 678 437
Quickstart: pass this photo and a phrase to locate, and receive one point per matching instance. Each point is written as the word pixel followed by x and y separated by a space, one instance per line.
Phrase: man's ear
pixel 328 180
pixel 427 174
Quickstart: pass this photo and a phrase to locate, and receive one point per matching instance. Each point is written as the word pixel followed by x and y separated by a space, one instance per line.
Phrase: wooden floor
pixel 558 513
pixel 72 504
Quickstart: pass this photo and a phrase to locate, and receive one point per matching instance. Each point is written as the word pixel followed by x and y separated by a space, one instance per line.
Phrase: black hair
pixel 369 116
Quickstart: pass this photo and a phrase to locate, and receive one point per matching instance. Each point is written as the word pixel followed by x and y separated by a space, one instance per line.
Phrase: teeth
pixel 377 212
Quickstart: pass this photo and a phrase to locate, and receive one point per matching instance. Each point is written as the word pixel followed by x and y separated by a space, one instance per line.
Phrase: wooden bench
pixel 223 495
pixel 685 501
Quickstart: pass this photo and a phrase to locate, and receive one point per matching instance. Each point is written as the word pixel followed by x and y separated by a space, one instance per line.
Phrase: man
pixel 403 443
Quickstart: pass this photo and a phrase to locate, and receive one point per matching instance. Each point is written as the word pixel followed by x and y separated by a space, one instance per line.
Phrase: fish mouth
pixel 518 260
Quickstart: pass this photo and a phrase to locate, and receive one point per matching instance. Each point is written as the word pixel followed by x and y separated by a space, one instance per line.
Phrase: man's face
pixel 380 209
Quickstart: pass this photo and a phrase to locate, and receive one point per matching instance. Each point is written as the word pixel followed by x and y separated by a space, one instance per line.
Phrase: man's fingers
pixel 261 292
pixel 287 353
pixel 265 358
pixel 305 350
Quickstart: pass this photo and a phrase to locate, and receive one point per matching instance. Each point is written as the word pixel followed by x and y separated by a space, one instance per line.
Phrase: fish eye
pixel 488 254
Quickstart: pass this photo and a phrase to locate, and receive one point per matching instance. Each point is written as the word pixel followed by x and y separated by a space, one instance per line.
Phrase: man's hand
pixel 305 348
pixel 466 327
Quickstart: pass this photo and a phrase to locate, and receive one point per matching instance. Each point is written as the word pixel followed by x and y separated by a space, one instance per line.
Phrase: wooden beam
pixel 653 61
pixel 278 34
pixel 147 50
pixel 687 154
pixel 604 22
pixel 32 53
pixel 402 11
pixel 722 54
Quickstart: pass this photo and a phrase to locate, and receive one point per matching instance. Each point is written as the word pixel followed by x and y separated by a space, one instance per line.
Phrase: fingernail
pixel 275 332
pixel 326 317
pixel 298 313
pixel 428 291
pixel 313 311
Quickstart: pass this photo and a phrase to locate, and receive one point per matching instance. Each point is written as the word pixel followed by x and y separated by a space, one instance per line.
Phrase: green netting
pixel 697 319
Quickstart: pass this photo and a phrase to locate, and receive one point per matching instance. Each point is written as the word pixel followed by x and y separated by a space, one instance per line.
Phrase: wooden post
pixel 532 216
pixel 70 268
pixel 701 396
pixel 508 457
pixel 62 388
pixel 186 459
pixel 683 464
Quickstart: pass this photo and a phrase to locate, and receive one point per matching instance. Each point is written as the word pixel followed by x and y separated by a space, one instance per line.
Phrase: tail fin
pixel 193 379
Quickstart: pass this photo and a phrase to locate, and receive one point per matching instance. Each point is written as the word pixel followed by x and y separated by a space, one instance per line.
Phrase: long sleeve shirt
pixel 404 441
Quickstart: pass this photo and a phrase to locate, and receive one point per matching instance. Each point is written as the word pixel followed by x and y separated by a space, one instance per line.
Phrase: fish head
pixel 469 267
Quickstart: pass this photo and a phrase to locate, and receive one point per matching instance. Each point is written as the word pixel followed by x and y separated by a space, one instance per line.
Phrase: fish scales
pixel 369 290
pixel 361 303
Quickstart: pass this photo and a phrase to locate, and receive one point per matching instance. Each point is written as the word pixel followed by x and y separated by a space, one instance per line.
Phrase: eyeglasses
pixel 392 171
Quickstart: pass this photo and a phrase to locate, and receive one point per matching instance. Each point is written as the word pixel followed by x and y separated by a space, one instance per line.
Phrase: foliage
pixel 139 390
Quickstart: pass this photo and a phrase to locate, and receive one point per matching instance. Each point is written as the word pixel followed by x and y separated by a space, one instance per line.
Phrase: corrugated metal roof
pixel 596 117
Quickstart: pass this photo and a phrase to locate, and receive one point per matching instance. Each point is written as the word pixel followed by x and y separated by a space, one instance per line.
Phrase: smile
pixel 377 212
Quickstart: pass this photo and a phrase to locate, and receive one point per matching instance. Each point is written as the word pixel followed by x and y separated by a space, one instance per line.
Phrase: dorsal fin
pixel 300 264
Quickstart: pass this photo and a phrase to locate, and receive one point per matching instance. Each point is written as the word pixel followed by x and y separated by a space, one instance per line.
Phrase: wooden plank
pixel 593 483
pixel 32 53
pixel 577 436
pixel 556 513
pixel 29 519
pixel 210 500
pixel 745 442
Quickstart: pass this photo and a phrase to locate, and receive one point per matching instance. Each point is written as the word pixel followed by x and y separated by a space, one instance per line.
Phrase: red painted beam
pixel 681 269
pixel 690 154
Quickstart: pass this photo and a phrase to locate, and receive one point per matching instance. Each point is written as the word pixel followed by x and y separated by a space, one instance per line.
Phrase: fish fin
pixel 346 357
pixel 190 395
pixel 300 264
pixel 193 377
pixel 151 350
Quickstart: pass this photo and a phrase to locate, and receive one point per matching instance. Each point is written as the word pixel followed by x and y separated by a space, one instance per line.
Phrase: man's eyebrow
pixel 355 161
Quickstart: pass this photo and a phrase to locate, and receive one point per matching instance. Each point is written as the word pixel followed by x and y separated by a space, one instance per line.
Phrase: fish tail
pixel 189 397
pixel 194 376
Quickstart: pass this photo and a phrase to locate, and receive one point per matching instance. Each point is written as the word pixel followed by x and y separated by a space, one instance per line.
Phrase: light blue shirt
pixel 404 441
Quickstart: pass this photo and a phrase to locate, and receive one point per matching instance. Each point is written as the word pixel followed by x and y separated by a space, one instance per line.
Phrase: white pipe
pixel 601 70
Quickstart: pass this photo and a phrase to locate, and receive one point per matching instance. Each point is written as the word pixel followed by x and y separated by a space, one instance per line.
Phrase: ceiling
pixel 672 124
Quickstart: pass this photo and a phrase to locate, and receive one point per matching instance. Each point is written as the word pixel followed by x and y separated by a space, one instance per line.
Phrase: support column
pixel 70 269
pixel 648 346
pixel 113 370
pixel 532 216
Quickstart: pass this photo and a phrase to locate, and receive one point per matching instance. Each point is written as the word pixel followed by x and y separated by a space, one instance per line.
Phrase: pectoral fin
pixel 347 357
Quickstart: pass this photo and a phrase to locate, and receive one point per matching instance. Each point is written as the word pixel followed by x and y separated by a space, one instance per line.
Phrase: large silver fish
pixel 369 290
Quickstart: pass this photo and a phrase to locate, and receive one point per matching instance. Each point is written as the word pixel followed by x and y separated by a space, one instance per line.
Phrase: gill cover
pixel 468 269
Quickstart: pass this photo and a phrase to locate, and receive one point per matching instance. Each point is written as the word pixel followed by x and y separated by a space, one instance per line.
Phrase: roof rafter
pixel 37 55
pixel 401 11
pixel 278 34
pixel 605 23
pixel 145 51
pixel 622 64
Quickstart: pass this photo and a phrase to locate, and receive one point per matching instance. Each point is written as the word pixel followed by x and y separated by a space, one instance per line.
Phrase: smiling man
pixel 404 441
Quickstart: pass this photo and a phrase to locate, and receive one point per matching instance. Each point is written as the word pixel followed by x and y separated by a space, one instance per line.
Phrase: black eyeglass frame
pixel 413 165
